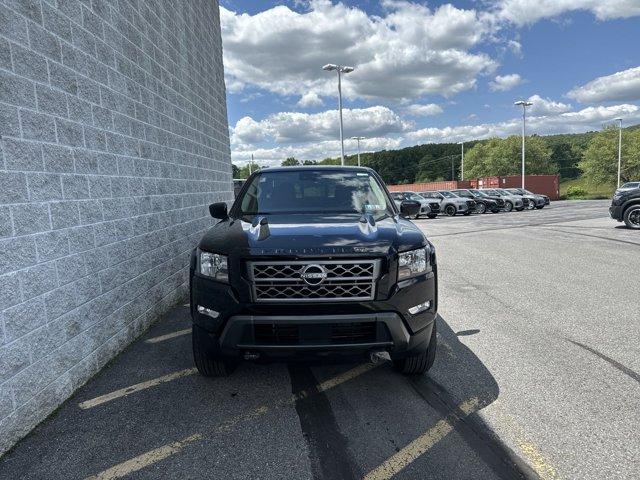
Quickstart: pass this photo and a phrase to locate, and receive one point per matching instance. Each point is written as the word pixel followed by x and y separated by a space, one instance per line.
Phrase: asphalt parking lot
pixel 537 376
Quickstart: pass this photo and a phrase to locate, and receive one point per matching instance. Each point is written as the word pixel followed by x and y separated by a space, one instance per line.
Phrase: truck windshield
pixel 313 191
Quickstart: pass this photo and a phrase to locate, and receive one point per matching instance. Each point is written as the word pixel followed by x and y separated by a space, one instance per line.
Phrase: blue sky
pixel 425 71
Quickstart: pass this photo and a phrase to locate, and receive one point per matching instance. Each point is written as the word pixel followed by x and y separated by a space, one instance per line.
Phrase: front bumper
pixel 285 329
pixel 615 211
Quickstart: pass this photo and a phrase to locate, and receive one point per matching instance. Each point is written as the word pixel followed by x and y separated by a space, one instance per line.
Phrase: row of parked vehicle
pixel 466 201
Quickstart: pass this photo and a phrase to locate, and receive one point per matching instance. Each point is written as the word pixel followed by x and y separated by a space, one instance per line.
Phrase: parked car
pixel 547 200
pixel 402 205
pixel 483 204
pixel 535 201
pixel 450 203
pixel 482 193
pixel 511 201
pixel 314 261
pixel 425 206
pixel 625 205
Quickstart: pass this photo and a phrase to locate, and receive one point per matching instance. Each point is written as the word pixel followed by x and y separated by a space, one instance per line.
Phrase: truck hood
pixel 303 235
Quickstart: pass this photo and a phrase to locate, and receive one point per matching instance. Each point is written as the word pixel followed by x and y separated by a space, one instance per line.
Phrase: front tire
pixel 450 210
pixel 631 217
pixel 532 205
pixel 508 206
pixel 481 208
pixel 421 363
pixel 207 363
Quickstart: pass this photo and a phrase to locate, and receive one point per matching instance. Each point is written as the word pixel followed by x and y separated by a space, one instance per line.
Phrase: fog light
pixel 421 307
pixel 208 312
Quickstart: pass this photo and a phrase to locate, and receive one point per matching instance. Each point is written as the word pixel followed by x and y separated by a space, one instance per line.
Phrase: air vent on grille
pixel 314 333
pixel 314 280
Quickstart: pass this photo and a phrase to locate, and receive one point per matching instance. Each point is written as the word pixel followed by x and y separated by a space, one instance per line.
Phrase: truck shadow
pixel 385 415
pixel 249 427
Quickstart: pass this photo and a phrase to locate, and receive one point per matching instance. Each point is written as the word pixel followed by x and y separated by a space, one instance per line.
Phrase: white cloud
pixel 527 12
pixel 502 83
pixel 247 130
pixel 406 53
pixel 310 151
pixel 621 86
pixel 418 110
pixel 591 118
pixel 546 106
pixel 310 99
pixel 296 127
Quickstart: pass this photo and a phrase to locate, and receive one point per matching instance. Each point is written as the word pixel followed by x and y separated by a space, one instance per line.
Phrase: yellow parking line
pixel 145 459
pixel 168 336
pixel 422 444
pixel 538 462
pixel 153 456
pixel 123 392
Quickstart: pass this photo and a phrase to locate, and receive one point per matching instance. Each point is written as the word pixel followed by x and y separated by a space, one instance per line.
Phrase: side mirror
pixel 409 208
pixel 218 210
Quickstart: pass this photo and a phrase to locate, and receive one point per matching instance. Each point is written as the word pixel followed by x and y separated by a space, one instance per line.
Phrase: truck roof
pixel 316 167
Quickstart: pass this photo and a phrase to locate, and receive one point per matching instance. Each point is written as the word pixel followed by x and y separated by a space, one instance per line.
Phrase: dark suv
pixel 313 261
pixel 625 205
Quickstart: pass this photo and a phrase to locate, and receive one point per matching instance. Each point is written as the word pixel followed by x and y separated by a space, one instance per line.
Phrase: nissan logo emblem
pixel 313 274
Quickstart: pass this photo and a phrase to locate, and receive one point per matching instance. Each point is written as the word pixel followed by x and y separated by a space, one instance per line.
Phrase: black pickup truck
pixel 313 261
pixel 625 205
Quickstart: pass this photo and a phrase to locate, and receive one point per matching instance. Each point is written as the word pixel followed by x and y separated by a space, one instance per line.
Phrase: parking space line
pixel 153 456
pixel 168 336
pixel 423 443
pixel 146 459
pixel 538 462
pixel 123 392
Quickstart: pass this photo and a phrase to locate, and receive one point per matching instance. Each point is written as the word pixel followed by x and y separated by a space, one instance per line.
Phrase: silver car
pixel 450 203
pixel 511 201
pixel 425 209
pixel 535 201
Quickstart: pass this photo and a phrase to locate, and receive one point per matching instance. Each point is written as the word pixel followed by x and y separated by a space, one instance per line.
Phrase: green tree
pixel 600 160
pixel 235 171
pixel 243 172
pixel 290 162
pixel 503 157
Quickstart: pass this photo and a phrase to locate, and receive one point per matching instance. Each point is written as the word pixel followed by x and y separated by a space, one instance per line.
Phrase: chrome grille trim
pixel 346 281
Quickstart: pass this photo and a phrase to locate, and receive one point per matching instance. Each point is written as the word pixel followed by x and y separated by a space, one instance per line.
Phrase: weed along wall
pixel 114 140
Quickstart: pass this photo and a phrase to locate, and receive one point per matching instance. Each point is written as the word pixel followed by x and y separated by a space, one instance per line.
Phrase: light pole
pixel 462 162
pixel 619 120
pixel 340 69
pixel 358 139
pixel 524 104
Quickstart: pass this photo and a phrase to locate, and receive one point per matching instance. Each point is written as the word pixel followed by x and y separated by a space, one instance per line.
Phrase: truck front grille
pixel 314 280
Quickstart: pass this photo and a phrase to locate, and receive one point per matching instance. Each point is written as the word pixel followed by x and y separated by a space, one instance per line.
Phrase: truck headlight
pixel 412 263
pixel 214 266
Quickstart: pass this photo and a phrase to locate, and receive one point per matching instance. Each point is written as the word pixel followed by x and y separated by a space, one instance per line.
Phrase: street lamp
pixel 462 162
pixel 358 139
pixel 619 120
pixel 524 104
pixel 340 69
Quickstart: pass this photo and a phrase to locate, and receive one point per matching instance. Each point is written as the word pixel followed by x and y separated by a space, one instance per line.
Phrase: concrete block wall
pixel 113 141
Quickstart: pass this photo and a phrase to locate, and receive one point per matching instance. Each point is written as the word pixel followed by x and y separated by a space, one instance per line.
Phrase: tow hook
pixel 378 356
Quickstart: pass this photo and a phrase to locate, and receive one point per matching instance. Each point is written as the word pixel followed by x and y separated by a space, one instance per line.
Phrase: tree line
pixel 593 155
